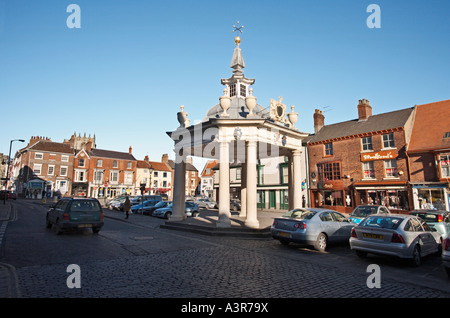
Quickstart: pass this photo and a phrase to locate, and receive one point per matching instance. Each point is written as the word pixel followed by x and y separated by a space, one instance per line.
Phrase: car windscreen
pixel 364 211
pixel 382 222
pixel 299 214
pixel 85 206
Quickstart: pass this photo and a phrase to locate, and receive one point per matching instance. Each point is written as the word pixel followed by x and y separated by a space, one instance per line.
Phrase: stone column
pixel 243 212
pixel 252 219
pixel 179 189
pixel 290 184
pixel 296 182
pixel 224 186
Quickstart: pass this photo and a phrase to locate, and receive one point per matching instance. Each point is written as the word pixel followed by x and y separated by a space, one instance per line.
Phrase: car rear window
pixel 364 211
pixel 85 206
pixel 382 222
pixel 299 214
pixel 427 217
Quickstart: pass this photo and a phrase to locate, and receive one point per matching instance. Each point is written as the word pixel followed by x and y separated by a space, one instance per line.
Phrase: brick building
pixel 360 161
pixel 429 156
pixel 43 167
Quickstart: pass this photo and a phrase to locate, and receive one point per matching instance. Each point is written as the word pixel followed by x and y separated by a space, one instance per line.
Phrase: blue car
pixel 142 207
pixel 190 208
pixel 363 211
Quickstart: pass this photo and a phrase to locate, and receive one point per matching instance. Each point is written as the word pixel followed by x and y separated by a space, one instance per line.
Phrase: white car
pixel 404 236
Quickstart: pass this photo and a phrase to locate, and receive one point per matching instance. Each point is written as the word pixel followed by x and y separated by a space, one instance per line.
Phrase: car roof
pixel 430 211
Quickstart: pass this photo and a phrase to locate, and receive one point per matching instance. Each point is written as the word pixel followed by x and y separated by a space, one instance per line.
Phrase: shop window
pixel 333 198
pixel 388 141
pixel 367 143
pixel 430 199
pixel 390 168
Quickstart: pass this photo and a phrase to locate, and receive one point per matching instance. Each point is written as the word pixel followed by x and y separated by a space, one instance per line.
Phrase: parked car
pixel 161 204
pixel 399 235
pixel 204 203
pixel 141 207
pixel 437 219
pixel 235 205
pixel 446 255
pixel 312 226
pixel 73 213
pixel 12 195
pixel 138 198
pixel 363 211
pixel 190 208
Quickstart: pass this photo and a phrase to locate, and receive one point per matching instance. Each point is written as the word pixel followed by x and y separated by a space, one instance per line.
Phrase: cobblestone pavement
pixel 238 271
pixel 213 268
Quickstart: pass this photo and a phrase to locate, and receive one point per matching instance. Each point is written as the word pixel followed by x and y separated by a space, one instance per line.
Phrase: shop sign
pixel 379 155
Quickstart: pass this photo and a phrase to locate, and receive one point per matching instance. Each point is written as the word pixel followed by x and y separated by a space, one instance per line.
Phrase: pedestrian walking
pixel 127 206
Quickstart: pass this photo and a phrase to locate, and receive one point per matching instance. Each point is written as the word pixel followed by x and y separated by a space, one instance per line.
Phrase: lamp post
pixel 7 171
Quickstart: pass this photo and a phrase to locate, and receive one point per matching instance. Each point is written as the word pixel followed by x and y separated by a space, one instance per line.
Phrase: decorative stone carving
pixel 225 102
pixel 277 110
pixel 292 117
pixel 182 118
pixel 250 102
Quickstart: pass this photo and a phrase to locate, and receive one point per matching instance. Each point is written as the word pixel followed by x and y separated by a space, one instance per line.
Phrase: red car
pixel 12 195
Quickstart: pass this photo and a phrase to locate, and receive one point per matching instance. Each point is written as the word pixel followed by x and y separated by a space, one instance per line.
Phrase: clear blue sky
pixel 124 74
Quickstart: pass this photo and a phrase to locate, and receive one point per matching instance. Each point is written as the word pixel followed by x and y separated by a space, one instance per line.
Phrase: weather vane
pixel 237 28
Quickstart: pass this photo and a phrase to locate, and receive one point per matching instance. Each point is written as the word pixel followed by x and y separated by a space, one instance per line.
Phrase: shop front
pixel 394 195
pixel 333 195
pixel 432 195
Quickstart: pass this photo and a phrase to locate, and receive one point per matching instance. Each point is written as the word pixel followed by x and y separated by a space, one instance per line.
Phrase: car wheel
pixel 59 229
pixel 167 215
pixel 195 214
pixel 321 242
pixel 48 224
pixel 416 258
pixel 95 230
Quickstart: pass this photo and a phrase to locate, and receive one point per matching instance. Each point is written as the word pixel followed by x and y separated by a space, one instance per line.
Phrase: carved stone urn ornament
pixel 182 118
pixel 293 117
pixel 225 103
pixel 250 102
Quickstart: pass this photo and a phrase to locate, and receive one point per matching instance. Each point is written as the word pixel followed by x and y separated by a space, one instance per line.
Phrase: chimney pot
pixel 364 109
pixel 319 120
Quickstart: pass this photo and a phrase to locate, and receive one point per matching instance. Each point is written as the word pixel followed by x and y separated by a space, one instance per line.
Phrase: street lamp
pixel 7 171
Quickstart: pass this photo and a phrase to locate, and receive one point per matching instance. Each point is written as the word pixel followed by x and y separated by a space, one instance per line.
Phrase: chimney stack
pixel 129 150
pixel 165 158
pixel 364 109
pixel 319 120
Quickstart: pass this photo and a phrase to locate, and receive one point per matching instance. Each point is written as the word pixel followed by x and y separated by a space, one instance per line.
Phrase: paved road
pixel 138 259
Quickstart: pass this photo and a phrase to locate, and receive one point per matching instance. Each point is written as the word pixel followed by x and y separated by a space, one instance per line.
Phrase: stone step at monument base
pixel 233 231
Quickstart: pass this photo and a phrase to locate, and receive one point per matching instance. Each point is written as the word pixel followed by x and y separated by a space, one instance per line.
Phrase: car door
pixel 345 226
pixel 426 239
pixel 329 226
pixel 54 212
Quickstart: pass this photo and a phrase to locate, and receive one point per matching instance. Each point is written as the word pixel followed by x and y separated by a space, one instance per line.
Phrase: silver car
pixel 446 255
pixel 312 226
pixel 399 235
pixel 437 219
